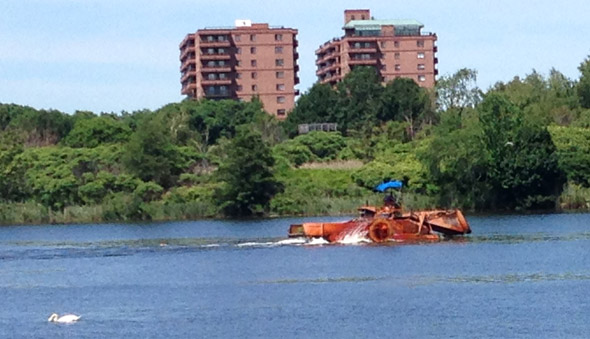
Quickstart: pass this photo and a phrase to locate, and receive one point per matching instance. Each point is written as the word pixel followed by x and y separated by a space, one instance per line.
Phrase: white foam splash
pixel 292 241
pixel 317 242
pixel 354 239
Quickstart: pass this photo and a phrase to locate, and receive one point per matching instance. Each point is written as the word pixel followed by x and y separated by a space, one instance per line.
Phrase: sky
pixel 122 55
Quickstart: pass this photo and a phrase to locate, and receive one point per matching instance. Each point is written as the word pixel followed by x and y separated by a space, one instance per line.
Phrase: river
pixel 513 277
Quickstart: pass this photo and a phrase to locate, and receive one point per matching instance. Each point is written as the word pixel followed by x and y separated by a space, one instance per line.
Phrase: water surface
pixel 514 276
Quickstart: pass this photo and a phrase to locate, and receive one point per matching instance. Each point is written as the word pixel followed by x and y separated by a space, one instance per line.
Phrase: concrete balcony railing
pixel 362 62
pixel 215 56
pixel 184 52
pixel 215 82
pixel 205 43
pixel 216 69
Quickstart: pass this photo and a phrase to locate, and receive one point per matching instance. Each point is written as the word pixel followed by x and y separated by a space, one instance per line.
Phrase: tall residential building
pixel 241 62
pixel 396 48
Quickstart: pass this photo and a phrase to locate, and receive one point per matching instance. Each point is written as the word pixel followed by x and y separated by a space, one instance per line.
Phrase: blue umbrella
pixel 389 184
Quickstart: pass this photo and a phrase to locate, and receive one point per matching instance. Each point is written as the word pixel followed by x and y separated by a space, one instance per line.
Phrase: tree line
pixel 519 145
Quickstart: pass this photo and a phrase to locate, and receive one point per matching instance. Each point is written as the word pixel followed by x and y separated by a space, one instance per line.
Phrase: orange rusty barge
pixel 388 223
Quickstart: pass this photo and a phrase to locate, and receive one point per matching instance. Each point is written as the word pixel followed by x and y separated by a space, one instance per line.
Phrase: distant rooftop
pixel 376 24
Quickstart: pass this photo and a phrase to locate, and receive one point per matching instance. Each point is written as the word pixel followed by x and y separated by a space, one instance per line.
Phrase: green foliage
pixel 573 149
pixel 458 91
pixel 150 154
pixel 324 145
pixel 317 191
pixel 94 131
pixel 522 162
pixel 296 153
pixel 248 182
pixel 583 87
pixel 317 105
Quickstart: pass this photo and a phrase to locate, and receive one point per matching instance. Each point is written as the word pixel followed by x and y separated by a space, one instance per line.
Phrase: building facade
pixel 396 48
pixel 242 62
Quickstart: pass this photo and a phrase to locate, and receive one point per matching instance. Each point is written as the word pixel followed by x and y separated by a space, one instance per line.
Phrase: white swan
pixel 66 318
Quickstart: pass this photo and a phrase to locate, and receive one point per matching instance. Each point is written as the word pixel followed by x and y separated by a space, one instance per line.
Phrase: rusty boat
pixel 388 223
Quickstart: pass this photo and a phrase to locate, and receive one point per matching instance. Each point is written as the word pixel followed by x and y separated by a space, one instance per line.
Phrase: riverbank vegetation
pixel 520 145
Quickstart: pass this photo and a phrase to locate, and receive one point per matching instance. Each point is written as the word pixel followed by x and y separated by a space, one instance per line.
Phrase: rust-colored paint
pixel 389 223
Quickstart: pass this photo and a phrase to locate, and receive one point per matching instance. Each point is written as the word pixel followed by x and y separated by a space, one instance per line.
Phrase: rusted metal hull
pixel 389 225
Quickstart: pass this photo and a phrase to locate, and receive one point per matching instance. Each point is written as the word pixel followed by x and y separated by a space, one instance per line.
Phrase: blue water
pixel 513 277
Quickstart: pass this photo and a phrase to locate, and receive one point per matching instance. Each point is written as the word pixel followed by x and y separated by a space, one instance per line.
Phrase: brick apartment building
pixel 241 62
pixel 397 48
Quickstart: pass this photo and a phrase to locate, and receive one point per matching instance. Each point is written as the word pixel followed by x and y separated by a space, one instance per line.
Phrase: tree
pixel 403 100
pixel 150 154
pixel 95 131
pixel 358 99
pixel 522 163
pixel 246 176
pixel 458 91
pixel 584 83
pixel 317 105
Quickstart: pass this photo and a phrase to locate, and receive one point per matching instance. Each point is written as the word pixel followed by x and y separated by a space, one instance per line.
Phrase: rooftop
pixel 376 24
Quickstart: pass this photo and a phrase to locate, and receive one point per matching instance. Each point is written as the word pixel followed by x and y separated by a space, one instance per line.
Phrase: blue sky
pixel 122 55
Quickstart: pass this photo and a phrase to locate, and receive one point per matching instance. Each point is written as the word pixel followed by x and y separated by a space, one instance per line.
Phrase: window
pixel 420 43
pixel 239 50
pixel 383 44
pixel 210 63
pixel 279 50
pixel 210 51
pixel 222 76
pixel 396 44
pixel 352 17
pixel 240 88
pixel 254 88
pixel 221 38
pixel 252 37
pixel 398 67
pixel 253 75
pixel 211 76
pixel 238 63
pixel 238 38
pixel 279 62
pixel 420 55
pixel 281 112
pixel 238 75
pixel 221 51
pixel 280 99
pixel 253 63
pixel 221 63
pixel 252 50
pixel 396 56
pixel 421 66
pixel 278 37
pixel 280 87
pixel 280 75
pixel 421 78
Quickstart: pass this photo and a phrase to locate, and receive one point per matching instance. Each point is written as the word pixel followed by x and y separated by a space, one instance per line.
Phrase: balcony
pixel 327 57
pixel 184 66
pixel 435 49
pixel 190 73
pixel 216 82
pixel 354 50
pixel 362 62
pixel 217 94
pixel 184 52
pixel 216 69
pixel 215 56
pixel 189 89
pixel 214 43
